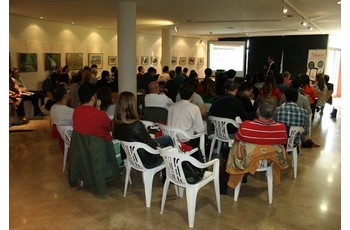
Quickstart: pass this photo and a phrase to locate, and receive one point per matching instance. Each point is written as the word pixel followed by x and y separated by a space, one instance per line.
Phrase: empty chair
pixel 175 174
pixel 155 114
pixel 176 134
pixel 221 133
pixel 134 161
pixel 292 147
pixel 65 133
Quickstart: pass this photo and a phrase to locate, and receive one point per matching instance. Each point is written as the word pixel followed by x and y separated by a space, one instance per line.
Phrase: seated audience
pixel 156 99
pixel 104 94
pixel 127 126
pixel 60 113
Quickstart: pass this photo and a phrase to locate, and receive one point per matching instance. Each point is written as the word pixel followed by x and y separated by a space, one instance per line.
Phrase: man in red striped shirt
pixel 263 130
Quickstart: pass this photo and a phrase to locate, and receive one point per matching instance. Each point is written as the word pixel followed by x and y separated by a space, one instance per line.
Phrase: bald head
pixel 153 87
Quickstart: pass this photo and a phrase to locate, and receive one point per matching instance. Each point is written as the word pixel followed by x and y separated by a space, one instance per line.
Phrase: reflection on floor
pixel 40 197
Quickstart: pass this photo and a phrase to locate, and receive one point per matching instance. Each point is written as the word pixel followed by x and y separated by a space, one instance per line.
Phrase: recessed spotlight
pixel 310 28
pixel 304 23
pixel 73 23
pixel 284 10
pixel 339 2
pixel 99 27
pixel 41 17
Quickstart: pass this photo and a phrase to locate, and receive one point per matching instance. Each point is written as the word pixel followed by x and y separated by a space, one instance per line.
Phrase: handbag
pixel 192 173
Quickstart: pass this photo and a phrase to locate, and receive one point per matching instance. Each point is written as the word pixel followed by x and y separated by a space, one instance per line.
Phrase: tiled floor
pixel 40 197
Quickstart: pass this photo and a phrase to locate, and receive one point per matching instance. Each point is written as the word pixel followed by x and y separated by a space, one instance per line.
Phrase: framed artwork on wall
pixel 52 60
pixel 182 61
pixel 173 60
pixel 191 60
pixel 144 60
pixel 154 60
pixel 200 61
pixel 74 60
pixel 28 62
pixel 96 58
pixel 112 60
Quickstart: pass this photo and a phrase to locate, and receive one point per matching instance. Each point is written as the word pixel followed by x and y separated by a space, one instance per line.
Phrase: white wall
pixel 28 35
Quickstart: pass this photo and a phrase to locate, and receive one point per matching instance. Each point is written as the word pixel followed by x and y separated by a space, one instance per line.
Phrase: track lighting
pixel 284 10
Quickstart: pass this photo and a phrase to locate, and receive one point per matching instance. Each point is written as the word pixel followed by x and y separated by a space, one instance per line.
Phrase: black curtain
pixel 296 51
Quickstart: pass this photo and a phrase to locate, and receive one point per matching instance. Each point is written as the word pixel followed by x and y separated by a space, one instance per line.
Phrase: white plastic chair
pixel 148 123
pixel 134 161
pixel 220 133
pixel 175 174
pixel 264 167
pixel 65 133
pixel 291 147
pixel 176 134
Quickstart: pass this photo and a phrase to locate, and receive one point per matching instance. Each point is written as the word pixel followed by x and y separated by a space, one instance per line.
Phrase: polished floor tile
pixel 40 197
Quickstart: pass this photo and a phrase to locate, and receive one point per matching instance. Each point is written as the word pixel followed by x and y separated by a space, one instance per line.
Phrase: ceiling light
pixel 72 23
pixel 304 23
pixel 99 27
pixel 284 10
pixel 310 28
pixel 175 28
pixel 41 18
pixel 339 2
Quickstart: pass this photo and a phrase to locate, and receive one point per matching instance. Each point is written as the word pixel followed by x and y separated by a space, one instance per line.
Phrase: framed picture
pixel 182 61
pixel 28 62
pixel 52 60
pixel 112 60
pixel 191 60
pixel 144 60
pixel 173 60
pixel 96 58
pixel 74 60
pixel 200 61
pixel 154 60
pixel 312 74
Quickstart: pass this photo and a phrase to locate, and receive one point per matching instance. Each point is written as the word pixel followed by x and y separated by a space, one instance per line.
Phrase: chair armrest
pixel 198 164
pixel 189 153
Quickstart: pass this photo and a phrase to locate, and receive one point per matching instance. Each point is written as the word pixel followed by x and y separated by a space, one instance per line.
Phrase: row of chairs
pixel 173 158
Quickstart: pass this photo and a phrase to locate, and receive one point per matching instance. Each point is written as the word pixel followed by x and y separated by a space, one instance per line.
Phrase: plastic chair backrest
pixel 220 127
pixel 155 114
pixel 131 148
pixel 66 133
pixel 293 132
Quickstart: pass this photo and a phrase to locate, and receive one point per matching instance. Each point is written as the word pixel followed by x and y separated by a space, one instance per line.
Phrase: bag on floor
pixel 334 113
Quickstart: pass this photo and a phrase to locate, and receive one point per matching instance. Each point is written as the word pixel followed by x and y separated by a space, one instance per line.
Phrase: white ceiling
pixel 195 18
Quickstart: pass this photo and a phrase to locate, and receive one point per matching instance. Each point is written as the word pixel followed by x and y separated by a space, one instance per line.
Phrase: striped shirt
pixel 262 132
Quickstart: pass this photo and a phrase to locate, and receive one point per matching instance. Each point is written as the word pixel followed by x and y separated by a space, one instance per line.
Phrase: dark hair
pixel 65 68
pixel 230 74
pixel 267 107
pixel 165 68
pixel 114 69
pixel 191 81
pixel 194 74
pixel 93 66
pixel 178 69
pixel 104 93
pixel 86 91
pixel 125 109
pixel 104 74
pixel 76 78
pixel 305 79
pixel 246 86
pixel 208 72
pixel 326 78
pixel 86 68
pixel 58 92
pixel 291 94
pixel 185 69
pixel 296 82
pixel 186 92
pixel 139 68
pixel 151 70
pixel 231 86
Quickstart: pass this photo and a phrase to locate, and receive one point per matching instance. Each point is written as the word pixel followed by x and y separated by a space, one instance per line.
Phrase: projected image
pixel 227 55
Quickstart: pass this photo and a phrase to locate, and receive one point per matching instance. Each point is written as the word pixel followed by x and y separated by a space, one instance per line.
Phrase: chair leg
pixel 237 189
pixel 295 161
pixel 165 191
pixel 148 182
pixel 65 156
pixel 191 196
pixel 269 183
pixel 219 147
pixel 212 145
pixel 127 176
pixel 217 193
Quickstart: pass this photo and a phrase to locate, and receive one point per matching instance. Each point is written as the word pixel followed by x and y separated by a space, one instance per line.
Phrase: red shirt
pixel 90 121
pixel 310 93
pixel 262 132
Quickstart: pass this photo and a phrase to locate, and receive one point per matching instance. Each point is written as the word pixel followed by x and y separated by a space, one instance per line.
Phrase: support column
pixel 166 47
pixel 126 16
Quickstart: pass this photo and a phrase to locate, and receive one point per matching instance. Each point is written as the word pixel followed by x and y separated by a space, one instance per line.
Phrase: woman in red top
pixel 309 91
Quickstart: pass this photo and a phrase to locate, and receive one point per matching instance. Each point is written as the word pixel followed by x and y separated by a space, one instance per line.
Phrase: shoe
pixel 41 114
pixel 317 109
pixel 245 178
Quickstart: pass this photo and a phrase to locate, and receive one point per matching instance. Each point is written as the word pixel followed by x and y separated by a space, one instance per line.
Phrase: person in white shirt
pixel 60 113
pixel 156 99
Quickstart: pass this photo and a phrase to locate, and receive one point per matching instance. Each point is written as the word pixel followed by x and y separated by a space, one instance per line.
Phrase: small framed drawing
pixel 173 60
pixel 96 58
pixel 182 61
pixel 191 60
pixel 154 60
pixel 112 60
pixel 28 62
pixel 313 73
pixel 52 60
pixel 200 61
pixel 74 60
pixel 144 60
